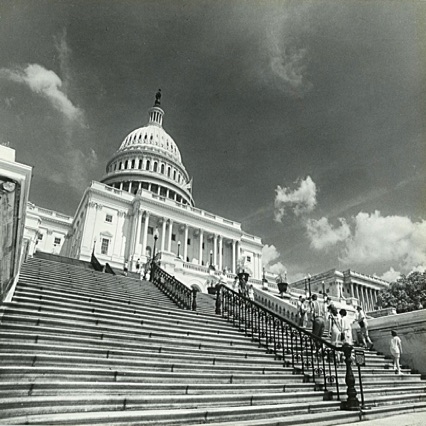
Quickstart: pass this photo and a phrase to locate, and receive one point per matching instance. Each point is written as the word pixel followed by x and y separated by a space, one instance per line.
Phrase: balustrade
pixel 183 296
pixel 315 358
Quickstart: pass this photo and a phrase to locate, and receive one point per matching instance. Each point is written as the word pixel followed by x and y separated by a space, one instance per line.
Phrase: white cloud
pixel 378 238
pixel 302 200
pixel 287 59
pixel 269 256
pixel 45 83
pixel 391 275
pixel 323 235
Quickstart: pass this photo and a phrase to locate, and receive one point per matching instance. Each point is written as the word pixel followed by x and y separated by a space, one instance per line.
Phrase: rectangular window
pixel 104 246
pixel 150 230
pixel 108 218
pixel 57 240
pixel 189 241
pixel 248 258
pixel 203 246
pixel 173 237
pixel 40 236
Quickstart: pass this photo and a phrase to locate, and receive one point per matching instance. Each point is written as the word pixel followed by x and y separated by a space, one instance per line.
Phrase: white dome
pixel 152 138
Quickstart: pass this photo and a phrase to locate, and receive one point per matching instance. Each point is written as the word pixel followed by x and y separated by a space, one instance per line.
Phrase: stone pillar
pixel 138 234
pixel 185 244
pixel 220 253
pixel 169 244
pixel 234 260
pixel 215 250
pixel 145 233
pixel 163 235
pixel 130 187
pixel 200 251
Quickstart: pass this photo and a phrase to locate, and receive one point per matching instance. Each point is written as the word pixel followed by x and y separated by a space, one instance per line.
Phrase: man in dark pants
pixel 318 322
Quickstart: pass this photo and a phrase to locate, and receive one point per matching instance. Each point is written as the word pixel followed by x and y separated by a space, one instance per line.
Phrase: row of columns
pixel 367 296
pixel 142 221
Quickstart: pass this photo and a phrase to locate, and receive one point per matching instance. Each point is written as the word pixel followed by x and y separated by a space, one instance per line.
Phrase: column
pixel 121 185
pixel 185 244
pixel 145 233
pixel 215 250
pixel 200 251
pixel 138 233
pixel 169 245
pixel 220 253
pixel 351 286
pixel 163 234
pixel 234 261
pixel 130 187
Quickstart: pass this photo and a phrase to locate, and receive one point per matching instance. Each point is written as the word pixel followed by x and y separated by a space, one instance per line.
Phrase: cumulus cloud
pixel 391 275
pixel 269 256
pixel 45 83
pixel 302 199
pixel 378 238
pixel 323 235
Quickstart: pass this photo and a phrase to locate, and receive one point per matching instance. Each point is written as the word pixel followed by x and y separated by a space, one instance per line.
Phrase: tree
pixel 407 294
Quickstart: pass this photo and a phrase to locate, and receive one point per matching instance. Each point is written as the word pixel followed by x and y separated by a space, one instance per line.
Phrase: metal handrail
pixel 317 359
pixel 183 296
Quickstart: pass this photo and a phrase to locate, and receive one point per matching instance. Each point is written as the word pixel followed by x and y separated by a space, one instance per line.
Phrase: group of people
pixel 325 316
pixel 243 287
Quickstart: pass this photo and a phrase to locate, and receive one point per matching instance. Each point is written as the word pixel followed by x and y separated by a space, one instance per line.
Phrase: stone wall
pixel 411 328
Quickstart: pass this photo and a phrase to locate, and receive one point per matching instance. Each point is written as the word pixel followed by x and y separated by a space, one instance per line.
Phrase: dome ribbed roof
pixel 152 138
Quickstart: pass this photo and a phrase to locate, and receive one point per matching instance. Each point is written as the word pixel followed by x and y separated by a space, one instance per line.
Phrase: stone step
pixel 46 387
pixel 8 346
pixel 158 364
pixel 46 336
pixel 76 403
pixel 85 373
pixel 175 416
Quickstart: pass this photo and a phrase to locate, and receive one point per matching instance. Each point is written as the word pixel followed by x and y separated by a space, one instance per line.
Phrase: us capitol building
pixel 145 199
pixel 144 204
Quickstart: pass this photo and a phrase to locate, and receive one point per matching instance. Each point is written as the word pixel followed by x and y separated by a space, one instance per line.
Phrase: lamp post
pixel 155 243
pixel 323 289
pixel 309 284
pixel 178 250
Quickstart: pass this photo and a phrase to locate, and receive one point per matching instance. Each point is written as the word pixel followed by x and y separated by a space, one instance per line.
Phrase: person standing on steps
pixel 125 268
pixel 318 323
pixel 396 351
pixel 346 327
pixel 362 322
pixel 335 326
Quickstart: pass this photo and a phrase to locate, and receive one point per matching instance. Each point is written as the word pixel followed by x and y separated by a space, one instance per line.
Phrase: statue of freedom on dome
pixel 157 98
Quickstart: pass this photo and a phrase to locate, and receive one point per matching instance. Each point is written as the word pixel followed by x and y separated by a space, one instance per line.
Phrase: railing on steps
pixel 314 357
pixel 183 296
pixel 96 264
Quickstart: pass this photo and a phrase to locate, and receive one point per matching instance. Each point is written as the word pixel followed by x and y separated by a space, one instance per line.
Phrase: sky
pixel 302 120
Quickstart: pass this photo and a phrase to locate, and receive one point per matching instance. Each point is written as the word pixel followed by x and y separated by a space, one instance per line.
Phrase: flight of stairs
pixel 82 347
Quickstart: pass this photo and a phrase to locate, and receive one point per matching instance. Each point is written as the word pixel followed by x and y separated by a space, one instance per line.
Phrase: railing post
pixel 194 299
pixel 352 403
pixel 218 301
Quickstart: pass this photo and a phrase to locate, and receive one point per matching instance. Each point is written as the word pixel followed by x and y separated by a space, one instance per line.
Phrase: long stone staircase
pixel 81 347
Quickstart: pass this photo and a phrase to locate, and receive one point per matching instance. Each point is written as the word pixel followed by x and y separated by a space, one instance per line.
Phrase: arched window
pixel 155 166
pixel 148 165
pixel 174 174
pixel 126 164
pixel 162 169
pixel 168 171
pixel 140 164
pixel 133 164
pixel 121 165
